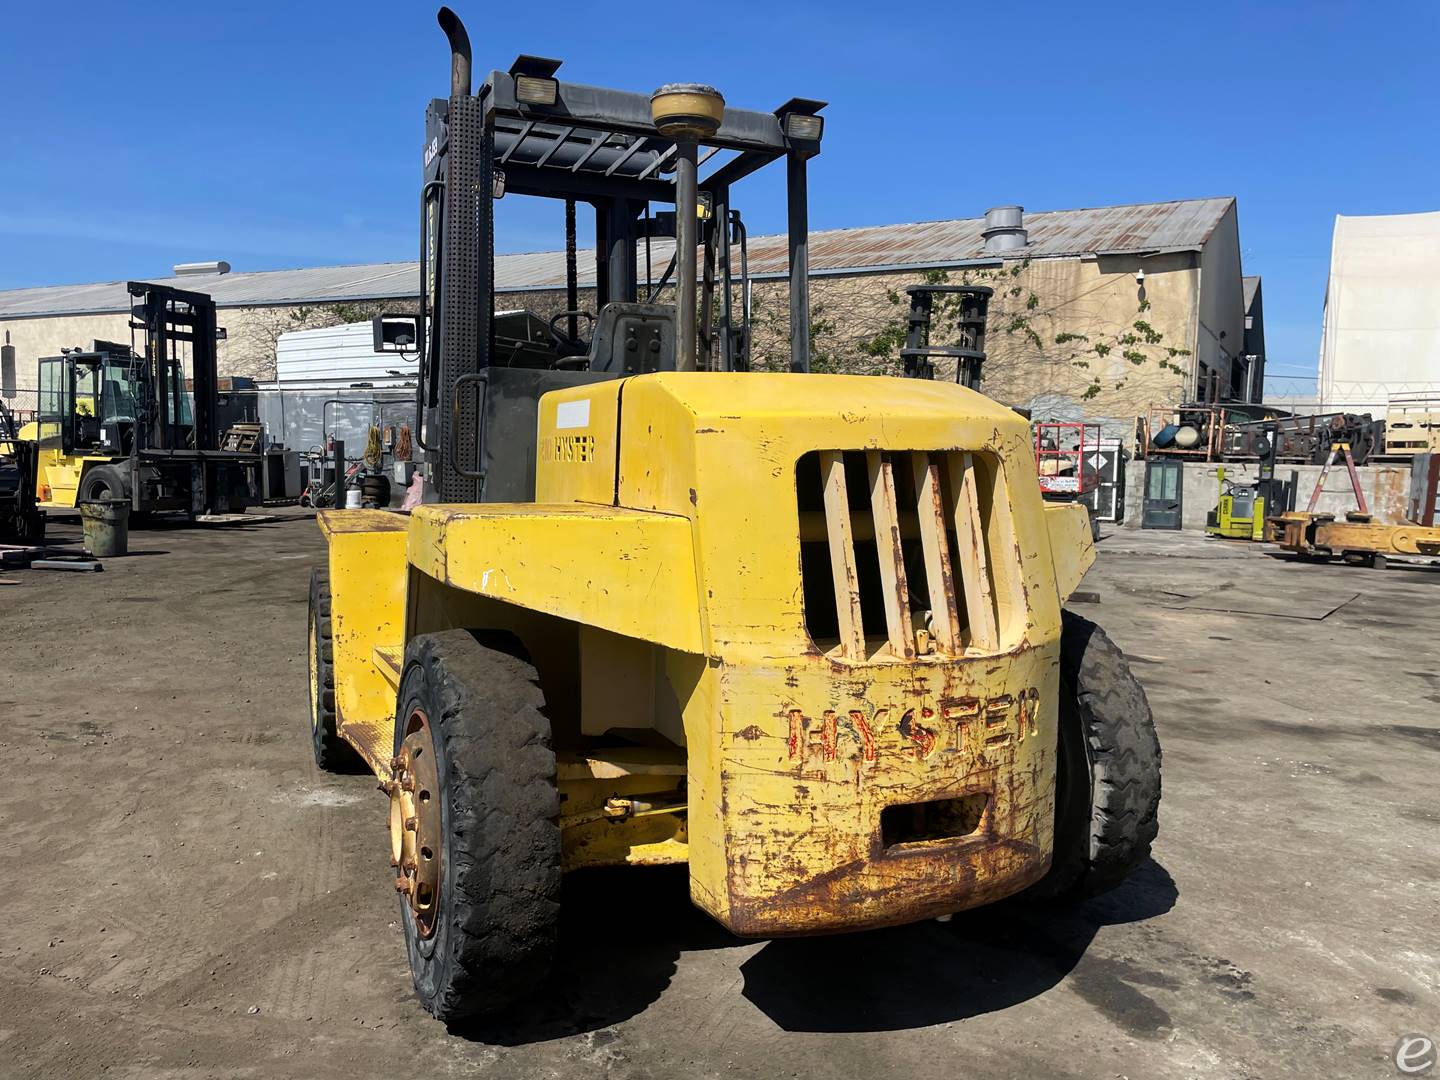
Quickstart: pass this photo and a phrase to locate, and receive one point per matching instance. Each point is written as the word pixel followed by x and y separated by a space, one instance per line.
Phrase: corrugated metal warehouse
pixel 1089 275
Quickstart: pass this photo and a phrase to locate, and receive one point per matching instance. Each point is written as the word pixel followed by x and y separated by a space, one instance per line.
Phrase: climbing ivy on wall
pixel 1017 310
pixel 855 328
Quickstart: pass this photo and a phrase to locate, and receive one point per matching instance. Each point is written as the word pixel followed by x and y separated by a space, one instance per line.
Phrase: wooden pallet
pixel 244 438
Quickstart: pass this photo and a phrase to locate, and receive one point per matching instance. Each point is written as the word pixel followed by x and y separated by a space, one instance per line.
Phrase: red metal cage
pixel 1061 449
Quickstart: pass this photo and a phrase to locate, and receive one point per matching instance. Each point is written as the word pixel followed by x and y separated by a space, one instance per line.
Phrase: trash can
pixel 107 526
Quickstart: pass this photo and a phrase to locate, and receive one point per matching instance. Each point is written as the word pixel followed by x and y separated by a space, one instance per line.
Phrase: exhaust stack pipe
pixel 459 51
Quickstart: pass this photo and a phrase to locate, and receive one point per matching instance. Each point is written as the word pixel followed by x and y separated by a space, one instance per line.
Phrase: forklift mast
pixel 524 131
pixel 167 320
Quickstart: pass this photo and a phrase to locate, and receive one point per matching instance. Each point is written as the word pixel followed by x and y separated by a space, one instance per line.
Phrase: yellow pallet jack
pixel 1239 513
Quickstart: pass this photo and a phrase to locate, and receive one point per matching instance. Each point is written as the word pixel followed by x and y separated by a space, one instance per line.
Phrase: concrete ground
pixel 187 896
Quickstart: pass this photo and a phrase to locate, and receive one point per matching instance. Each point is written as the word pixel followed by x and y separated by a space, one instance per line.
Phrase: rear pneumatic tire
pixel 1107 784
pixel 332 753
pixel 104 482
pixel 492 933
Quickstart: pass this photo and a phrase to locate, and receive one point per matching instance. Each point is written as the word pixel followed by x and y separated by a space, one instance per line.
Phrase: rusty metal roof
pixel 1143 228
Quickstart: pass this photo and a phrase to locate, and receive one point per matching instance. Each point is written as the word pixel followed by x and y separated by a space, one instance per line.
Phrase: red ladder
pixel 1335 449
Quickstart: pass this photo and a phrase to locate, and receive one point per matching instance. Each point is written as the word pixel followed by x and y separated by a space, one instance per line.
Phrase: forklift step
pixel 374 741
pixel 389 663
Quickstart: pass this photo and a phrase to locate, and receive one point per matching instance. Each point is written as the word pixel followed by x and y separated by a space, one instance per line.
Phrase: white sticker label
pixel 572 414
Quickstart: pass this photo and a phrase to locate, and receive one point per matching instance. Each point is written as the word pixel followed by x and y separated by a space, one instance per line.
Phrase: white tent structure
pixel 1382 311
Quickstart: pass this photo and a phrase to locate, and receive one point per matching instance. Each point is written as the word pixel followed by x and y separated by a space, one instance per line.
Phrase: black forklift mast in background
pixel 166 319
pixel 525 132
pixel 965 312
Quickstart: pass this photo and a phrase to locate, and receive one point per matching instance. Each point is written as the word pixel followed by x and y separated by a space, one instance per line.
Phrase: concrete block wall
pixel 1386 489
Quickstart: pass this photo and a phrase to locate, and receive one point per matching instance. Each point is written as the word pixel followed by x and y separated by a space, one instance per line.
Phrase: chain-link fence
pixel 23 403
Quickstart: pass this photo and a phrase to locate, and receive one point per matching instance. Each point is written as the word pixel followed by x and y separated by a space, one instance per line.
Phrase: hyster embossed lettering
pixel 965 725
pixel 568 448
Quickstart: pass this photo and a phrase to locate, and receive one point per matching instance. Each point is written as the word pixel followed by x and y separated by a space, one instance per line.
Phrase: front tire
pixel 489 939
pixel 1107 791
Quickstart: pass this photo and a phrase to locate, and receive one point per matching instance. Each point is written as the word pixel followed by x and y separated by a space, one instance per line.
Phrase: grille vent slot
pixel 899 553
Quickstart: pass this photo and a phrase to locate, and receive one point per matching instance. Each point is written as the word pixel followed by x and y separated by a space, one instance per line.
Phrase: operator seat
pixel 87 430
pixel 633 339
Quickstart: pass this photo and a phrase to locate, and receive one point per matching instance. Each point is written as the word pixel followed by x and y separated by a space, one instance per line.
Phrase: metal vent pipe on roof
pixel 1005 229
pixel 200 269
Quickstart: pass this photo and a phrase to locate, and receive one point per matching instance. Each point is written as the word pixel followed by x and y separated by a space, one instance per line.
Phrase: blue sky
pixel 289 134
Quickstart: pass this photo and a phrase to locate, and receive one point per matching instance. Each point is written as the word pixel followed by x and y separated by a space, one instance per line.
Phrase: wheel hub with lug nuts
pixel 414 790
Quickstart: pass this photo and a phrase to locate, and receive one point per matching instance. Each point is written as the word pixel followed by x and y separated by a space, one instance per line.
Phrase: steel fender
pixel 630 572
pixel 368 575
pixel 1071 548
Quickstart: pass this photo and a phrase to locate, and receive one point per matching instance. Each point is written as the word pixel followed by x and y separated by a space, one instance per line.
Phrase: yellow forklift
pixel 117 422
pixel 803 633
